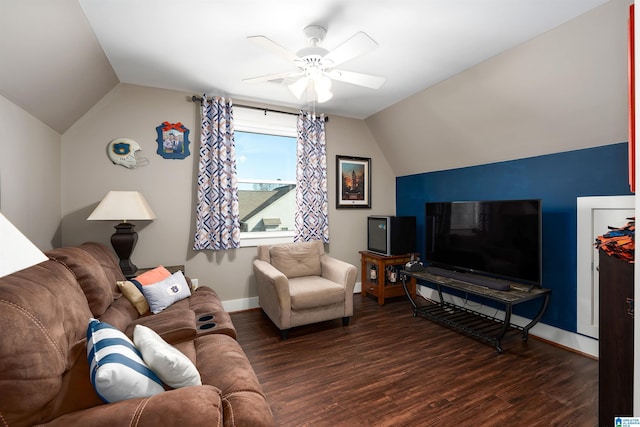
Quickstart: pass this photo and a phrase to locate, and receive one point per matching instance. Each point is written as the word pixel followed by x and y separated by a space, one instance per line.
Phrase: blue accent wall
pixel 556 179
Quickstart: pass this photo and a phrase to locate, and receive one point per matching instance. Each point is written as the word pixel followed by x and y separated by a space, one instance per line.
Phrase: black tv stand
pixel 474 323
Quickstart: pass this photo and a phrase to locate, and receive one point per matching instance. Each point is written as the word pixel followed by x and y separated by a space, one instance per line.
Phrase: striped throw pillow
pixel 116 366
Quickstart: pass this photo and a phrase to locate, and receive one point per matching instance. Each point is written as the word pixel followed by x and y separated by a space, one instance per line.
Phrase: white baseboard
pixel 572 340
pixel 240 304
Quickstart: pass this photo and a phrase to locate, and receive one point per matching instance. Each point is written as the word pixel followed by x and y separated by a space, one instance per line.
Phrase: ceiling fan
pixel 315 65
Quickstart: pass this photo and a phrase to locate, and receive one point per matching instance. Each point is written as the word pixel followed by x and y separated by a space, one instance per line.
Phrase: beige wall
pixel 169 186
pixel 30 190
pixel 561 91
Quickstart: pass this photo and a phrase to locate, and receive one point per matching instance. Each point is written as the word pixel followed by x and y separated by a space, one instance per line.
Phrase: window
pixel 266 167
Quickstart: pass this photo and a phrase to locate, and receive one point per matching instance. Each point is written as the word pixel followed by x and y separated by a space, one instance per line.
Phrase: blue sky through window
pixel 265 157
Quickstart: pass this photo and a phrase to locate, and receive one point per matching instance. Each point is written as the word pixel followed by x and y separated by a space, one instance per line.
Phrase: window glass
pixel 266 181
pixel 266 168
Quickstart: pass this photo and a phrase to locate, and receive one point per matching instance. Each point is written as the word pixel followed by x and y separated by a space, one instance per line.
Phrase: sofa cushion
pixel 184 407
pixel 296 259
pixel 97 286
pixel 222 362
pixel 134 295
pixel 173 367
pixel 314 291
pixel 162 294
pixel 120 314
pixel 106 258
pixel 173 325
pixel 43 319
pixel 117 370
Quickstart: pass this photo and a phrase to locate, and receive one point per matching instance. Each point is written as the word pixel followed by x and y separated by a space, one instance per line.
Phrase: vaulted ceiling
pixel 59 57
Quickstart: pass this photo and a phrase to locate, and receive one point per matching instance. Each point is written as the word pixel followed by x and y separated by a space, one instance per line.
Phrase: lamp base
pixel 123 242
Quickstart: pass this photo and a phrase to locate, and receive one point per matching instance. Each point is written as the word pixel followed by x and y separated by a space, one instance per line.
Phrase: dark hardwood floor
pixel 388 368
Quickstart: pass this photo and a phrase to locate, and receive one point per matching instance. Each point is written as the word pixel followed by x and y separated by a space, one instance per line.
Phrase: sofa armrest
pixel 172 325
pixel 339 271
pixel 190 406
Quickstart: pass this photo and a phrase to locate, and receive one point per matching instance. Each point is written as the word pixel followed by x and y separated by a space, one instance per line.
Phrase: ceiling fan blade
pixel 273 77
pixel 356 46
pixel 273 47
pixel 360 79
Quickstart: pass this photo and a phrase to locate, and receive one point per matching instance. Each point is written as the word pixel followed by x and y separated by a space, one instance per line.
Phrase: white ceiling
pixel 201 46
pixel 59 58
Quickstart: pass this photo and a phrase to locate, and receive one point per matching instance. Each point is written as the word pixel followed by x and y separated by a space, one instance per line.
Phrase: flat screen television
pixel 391 235
pixel 500 239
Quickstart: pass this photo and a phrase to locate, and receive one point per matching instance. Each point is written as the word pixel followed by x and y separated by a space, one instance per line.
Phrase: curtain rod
pixel 195 98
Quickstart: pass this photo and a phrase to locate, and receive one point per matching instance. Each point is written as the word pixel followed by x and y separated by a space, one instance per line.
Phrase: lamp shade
pixel 122 206
pixel 16 251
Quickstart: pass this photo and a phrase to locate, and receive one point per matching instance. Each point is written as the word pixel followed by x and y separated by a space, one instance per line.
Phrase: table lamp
pixel 123 206
pixel 16 251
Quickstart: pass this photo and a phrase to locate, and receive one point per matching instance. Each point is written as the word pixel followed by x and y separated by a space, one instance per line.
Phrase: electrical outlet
pixel 194 283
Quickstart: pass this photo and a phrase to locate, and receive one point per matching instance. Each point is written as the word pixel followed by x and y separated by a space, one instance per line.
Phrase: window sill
pixel 265 238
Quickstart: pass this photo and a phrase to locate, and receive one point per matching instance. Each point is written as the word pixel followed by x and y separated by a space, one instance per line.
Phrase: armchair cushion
pixel 313 292
pixel 296 259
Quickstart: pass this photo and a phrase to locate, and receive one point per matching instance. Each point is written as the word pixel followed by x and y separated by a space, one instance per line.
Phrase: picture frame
pixel 173 140
pixel 353 182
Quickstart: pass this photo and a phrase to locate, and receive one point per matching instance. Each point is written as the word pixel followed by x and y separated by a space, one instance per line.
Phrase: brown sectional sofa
pixel 44 372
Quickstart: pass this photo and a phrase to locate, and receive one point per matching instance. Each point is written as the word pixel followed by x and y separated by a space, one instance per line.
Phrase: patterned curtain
pixel 217 210
pixel 312 206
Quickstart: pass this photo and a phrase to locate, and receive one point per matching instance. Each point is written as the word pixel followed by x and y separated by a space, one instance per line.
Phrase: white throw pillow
pixel 171 365
pixel 162 294
pixel 116 366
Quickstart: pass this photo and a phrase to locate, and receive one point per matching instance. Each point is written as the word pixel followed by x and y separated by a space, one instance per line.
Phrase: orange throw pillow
pixel 153 276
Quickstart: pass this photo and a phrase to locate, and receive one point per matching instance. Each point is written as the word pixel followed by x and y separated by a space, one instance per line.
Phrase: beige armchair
pixel 299 284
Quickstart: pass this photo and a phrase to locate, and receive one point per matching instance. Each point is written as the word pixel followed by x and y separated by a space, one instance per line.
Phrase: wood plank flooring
pixel 388 368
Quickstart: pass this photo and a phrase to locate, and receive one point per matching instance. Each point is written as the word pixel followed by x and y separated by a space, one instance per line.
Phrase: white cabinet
pixel 595 214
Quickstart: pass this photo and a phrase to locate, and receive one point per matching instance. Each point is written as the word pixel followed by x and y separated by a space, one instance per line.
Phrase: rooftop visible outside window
pixel 266 166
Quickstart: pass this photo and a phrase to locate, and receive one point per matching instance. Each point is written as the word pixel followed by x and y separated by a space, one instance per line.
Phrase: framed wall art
pixel 173 140
pixel 353 182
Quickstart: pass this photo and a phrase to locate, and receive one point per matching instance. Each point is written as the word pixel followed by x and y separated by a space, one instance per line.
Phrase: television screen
pixel 501 239
pixel 391 235
pixel 377 234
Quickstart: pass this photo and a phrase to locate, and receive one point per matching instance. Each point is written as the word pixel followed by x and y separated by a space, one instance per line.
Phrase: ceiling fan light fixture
pixel 315 65
pixel 322 87
pixel 323 95
pixel 298 87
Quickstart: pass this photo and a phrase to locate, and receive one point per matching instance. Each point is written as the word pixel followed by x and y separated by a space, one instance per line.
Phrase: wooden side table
pixel 382 287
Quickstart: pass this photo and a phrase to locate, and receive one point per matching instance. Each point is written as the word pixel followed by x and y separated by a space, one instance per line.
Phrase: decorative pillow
pixel 171 365
pixel 162 294
pixel 137 284
pixel 296 259
pixel 134 295
pixel 152 276
pixel 117 370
